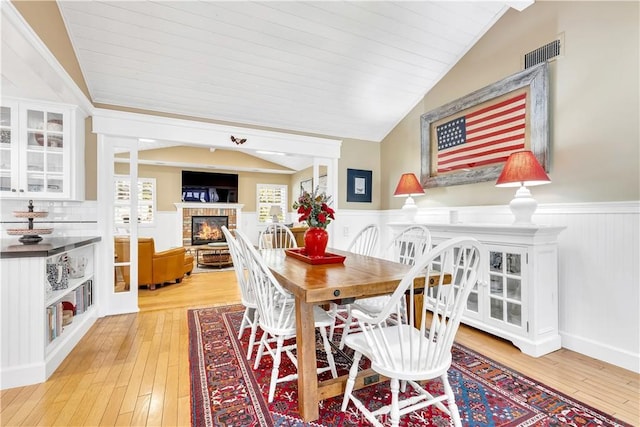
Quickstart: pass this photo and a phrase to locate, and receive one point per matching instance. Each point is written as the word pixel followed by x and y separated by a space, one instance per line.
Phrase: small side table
pixel 213 255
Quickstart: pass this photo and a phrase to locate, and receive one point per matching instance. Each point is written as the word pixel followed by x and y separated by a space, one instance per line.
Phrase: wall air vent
pixel 543 53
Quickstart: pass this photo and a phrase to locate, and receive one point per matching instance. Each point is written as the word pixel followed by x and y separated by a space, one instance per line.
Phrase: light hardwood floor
pixel 134 369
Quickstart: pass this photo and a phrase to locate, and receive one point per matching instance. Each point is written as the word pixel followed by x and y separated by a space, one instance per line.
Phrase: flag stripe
pixel 503 149
pixel 475 164
pixel 497 106
pixel 496 123
pixel 472 158
pixel 479 149
pixel 484 137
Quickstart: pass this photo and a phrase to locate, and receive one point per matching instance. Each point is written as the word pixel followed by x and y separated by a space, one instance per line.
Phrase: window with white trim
pixel 271 195
pixel 146 200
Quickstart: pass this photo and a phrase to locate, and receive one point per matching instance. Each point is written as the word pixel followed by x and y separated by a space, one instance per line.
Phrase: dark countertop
pixel 47 247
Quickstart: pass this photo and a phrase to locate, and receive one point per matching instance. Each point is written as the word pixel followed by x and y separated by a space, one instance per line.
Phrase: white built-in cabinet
pixel 41 150
pixel 516 297
pixel 35 336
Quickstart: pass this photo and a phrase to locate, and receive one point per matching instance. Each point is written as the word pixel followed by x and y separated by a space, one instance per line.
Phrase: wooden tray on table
pixel 328 258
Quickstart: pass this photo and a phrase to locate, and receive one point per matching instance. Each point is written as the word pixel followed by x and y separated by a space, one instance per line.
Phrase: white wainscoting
pixel 599 272
pixel 599 265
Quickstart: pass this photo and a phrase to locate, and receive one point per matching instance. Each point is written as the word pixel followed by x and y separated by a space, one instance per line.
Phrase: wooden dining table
pixel 357 277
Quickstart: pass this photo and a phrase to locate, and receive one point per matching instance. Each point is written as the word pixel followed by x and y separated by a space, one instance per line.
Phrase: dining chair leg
pixel 329 353
pixel 394 413
pixel 254 331
pixel 451 401
pixel 353 373
pixel 245 322
pixel 333 313
pixel 261 347
pixel 346 328
pixel 277 357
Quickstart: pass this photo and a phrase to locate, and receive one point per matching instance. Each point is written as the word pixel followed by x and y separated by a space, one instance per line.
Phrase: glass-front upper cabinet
pixel 36 151
pixel 8 147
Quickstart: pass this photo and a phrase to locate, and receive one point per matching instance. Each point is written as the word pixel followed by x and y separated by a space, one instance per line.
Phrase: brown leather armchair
pixel 154 268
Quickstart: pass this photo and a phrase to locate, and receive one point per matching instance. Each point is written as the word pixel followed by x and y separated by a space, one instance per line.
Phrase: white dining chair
pixel 277 236
pixel 364 243
pixel 276 308
pixel 418 350
pixel 412 242
pixel 250 317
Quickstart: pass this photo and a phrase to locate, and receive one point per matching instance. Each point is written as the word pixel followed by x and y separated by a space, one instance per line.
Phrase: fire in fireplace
pixel 207 229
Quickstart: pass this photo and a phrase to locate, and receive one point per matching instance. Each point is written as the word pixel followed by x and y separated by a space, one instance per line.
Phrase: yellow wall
pixel 595 149
pixel 169 185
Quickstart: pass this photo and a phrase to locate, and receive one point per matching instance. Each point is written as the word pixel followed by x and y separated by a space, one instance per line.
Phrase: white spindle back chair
pixel 250 319
pixel 364 243
pixel 411 352
pixel 409 244
pixel 276 309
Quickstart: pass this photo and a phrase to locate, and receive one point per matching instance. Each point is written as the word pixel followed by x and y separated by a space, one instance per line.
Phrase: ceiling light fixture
pixel 146 140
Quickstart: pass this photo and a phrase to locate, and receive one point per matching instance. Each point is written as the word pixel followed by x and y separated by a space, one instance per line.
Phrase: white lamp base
pixel 410 209
pixel 523 206
pixel 275 219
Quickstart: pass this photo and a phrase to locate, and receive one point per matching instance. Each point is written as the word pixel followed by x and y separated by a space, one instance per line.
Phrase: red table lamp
pixel 409 186
pixel 521 170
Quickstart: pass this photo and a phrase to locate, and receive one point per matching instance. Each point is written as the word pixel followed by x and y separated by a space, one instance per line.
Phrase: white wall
pixel 599 260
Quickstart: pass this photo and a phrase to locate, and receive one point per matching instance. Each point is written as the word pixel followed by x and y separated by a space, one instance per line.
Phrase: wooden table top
pixel 358 276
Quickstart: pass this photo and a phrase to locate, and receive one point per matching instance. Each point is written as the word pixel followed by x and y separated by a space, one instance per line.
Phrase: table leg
pixel 307 365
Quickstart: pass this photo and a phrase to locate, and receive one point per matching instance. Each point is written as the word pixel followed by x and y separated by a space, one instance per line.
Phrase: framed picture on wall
pixel 468 140
pixel 359 185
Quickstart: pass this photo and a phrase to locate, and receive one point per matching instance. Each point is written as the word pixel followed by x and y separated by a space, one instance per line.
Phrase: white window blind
pixel 270 195
pixel 146 200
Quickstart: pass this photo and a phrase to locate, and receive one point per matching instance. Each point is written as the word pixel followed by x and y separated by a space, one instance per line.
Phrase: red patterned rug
pixel 226 391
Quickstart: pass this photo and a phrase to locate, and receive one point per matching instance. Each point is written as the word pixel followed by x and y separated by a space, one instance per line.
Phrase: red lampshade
pixel 522 168
pixel 408 186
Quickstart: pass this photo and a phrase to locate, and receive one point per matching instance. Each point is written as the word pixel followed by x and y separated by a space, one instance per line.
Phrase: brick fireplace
pixel 187 210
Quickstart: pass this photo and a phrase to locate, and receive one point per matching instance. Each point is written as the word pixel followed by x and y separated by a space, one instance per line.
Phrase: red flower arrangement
pixel 314 209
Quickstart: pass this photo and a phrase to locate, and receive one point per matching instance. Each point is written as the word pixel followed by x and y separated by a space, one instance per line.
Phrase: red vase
pixel 315 242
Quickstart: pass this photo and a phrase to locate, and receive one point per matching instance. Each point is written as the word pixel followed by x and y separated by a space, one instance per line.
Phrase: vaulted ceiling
pixel 343 69
pixel 347 69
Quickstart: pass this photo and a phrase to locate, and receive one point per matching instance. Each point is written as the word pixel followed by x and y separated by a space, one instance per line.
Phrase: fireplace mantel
pixel 199 205
pixel 186 210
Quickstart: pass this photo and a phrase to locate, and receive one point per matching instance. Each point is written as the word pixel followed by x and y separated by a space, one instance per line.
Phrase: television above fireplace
pixel 208 229
pixel 209 187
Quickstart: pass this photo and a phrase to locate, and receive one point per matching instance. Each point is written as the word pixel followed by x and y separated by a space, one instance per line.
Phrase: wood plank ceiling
pixel 344 69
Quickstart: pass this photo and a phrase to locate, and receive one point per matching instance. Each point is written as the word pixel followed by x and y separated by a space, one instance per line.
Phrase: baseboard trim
pixel 606 353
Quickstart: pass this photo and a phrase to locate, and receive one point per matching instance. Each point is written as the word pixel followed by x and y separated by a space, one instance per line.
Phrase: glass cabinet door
pixel 35 150
pixel 8 149
pixel 506 286
pixel 45 152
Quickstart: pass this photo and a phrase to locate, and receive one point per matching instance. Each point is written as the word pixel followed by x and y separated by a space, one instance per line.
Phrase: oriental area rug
pixel 227 391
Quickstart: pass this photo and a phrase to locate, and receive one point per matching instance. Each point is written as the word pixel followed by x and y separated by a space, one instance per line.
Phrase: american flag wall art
pixel 482 137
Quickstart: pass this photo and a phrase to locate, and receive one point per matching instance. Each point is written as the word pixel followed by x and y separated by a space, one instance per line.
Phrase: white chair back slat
pixel 277 236
pixel 240 267
pixel 366 241
pixel 409 244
